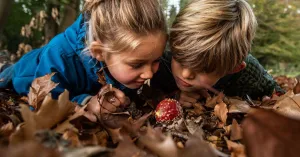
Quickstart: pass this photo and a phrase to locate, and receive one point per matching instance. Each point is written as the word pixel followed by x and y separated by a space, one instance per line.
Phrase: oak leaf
pixel 236 131
pixel 278 135
pixel 221 111
pixel 39 89
pixel 289 105
pixel 50 114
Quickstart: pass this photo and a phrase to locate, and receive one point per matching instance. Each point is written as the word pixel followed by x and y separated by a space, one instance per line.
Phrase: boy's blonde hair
pixel 213 36
pixel 119 24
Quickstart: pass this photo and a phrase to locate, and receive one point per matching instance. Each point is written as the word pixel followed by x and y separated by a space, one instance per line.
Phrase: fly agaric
pixel 168 110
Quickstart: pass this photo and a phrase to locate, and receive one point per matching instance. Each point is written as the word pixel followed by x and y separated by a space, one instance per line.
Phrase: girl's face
pixel 132 68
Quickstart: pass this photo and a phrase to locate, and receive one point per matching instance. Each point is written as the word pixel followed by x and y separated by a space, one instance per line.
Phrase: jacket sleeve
pixel 50 59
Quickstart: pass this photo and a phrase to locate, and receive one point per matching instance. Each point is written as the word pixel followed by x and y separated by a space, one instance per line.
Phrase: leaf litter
pixel 219 126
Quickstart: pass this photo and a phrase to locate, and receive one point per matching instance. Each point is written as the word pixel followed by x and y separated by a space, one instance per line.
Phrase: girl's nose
pixel 148 73
pixel 187 74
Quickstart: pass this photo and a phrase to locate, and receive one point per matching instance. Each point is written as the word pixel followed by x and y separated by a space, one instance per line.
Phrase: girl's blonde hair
pixel 213 36
pixel 119 24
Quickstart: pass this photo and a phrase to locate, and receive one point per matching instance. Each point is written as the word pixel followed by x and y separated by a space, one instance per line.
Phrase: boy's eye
pixel 157 60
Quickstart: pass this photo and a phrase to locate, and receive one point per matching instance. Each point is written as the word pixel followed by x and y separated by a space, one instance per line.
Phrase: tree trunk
pixel 69 14
pixel 5 6
pixel 51 26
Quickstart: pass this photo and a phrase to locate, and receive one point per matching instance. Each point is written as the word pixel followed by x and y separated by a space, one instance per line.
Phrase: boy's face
pixel 190 81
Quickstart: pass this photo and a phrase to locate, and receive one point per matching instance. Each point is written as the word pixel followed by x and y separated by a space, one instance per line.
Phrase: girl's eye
pixel 136 66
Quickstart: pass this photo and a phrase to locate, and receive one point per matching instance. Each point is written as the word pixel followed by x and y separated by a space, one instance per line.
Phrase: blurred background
pixel 28 24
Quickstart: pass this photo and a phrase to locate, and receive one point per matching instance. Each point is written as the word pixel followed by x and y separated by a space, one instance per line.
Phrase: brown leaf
pixel 238 106
pixel 237 150
pixel 196 147
pixel 161 145
pixel 198 109
pixel 18 135
pixel 50 114
pixel 236 131
pixel 29 149
pixel 221 111
pixel 289 106
pixel 88 151
pixel 66 124
pixel 212 102
pixel 266 133
pixel 72 136
pixel 6 129
pixel 39 89
pixel 102 138
pixel 126 148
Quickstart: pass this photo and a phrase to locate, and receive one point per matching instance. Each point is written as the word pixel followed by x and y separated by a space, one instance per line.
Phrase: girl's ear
pixel 96 50
pixel 238 68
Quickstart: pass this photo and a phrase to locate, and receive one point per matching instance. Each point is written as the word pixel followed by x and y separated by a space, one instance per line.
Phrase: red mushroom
pixel 168 110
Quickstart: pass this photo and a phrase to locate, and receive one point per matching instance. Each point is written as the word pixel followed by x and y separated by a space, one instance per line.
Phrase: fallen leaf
pixel 88 151
pixel 196 147
pixel 237 150
pixel 238 106
pixel 194 129
pixel 66 124
pixel 40 88
pixel 289 106
pixel 72 136
pixel 161 145
pixel 267 133
pixel 6 129
pixel 29 149
pixel 236 131
pixel 212 102
pixel 126 148
pixel 50 113
pixel 102 137
pixel 221 111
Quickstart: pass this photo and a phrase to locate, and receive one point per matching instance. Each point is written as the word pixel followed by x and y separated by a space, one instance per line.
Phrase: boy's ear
pixel 96 51
pixel 238 68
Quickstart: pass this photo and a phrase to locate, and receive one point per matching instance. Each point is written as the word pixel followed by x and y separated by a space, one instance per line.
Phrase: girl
pixel 126 38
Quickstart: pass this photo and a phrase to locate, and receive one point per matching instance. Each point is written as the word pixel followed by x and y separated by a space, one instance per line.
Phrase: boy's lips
pixel 182 83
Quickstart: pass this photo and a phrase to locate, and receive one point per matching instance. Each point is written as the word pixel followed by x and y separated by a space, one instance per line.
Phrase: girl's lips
pixel 182 83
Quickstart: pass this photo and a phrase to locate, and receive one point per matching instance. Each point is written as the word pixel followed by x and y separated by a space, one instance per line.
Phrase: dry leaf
pixel 66 124
pixel 237 150
pixel 238 106
pixel 50 114
pixel 126 148
pixel 196 147
pixel 102 137
pixel 29 149
pixel 39 89
pixel 161 145
pixel 6 129
pixel 72 136
pixel 212 102
pixel 221 111
pixel 267 133
pixel 88 151
pixel 289 106
pixel 236 131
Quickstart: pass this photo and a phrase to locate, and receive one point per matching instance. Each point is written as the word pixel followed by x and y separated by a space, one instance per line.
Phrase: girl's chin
pixel 134 85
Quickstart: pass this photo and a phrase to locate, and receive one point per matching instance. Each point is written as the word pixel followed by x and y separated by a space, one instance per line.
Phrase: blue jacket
pixel 75 71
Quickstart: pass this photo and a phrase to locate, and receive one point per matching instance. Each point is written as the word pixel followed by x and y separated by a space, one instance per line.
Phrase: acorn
pixel 168 110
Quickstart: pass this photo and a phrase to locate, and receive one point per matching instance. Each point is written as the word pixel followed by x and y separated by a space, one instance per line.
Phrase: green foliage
pixel 278 33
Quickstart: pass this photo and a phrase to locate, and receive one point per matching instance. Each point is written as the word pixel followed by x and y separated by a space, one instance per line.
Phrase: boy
pixel 210 41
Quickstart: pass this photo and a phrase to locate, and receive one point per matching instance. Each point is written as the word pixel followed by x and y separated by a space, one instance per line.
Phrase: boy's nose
pixel 187 74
